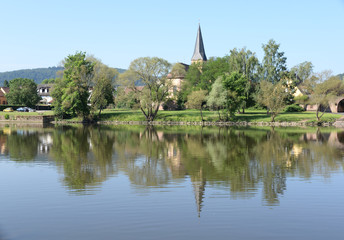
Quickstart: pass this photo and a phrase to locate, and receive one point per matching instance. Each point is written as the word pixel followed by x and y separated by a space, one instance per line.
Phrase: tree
pixel 152 71
pixel 245 62
pixel 302 72
pixel 217 96
pixel 72 91
pixel 196 100
pixel 6 83
pixel 211 70
pixel 235 85
pixel 274 63
pixel 49 81
pixel 201 75
pixel 273 97
pixel 23 91
pixel 103 85
pixel 228 94
pixel 324 92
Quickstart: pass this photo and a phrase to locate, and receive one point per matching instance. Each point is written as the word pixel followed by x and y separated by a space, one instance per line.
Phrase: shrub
pixel 7 116
pixel 169 105
pixel 293 108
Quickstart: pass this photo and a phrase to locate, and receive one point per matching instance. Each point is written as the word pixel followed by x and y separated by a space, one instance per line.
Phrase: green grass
pixel 45 113
pixel 194 116
pixel 251 115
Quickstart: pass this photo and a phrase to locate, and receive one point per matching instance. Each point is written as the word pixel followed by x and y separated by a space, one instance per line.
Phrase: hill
pixel 37 74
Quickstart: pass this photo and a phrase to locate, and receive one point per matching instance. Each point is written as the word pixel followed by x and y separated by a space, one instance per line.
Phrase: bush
pixel 169 105
pixel 293 108
pixel 7 116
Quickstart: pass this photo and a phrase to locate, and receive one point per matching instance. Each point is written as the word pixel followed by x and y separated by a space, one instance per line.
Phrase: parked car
pixel 25 109
pixel 21 109
pixel 9 109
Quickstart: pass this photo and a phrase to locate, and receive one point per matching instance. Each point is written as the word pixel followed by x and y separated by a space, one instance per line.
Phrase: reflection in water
pixel 239 160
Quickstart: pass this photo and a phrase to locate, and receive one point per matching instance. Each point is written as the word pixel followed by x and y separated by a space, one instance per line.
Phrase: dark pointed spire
pixel 199 53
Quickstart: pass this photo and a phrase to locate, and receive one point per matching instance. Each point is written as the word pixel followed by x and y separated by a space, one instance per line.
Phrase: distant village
pixel 228 84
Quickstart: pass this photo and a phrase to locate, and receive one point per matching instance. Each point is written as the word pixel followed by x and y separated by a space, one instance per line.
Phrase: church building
pixel 198 56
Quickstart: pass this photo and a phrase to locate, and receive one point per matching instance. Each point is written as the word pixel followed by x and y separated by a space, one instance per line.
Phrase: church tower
pixel 199 53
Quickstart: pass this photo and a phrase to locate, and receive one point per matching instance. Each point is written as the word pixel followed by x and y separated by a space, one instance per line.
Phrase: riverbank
pixel 185 118
pixel 252 117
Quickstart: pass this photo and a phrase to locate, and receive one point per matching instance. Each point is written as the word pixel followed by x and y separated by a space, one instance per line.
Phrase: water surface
pixel 108 182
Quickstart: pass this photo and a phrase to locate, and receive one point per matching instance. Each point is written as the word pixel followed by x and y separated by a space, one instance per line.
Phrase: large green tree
pixel 152 71
pixel 228 94
pixel 274 63
pixel 71 93
pixel 103 82
pixel 23 91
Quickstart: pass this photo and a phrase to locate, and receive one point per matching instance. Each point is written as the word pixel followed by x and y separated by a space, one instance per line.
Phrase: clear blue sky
pixel 41 33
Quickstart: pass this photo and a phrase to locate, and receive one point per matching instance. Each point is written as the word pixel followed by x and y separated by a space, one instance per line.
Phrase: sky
pixel 41 33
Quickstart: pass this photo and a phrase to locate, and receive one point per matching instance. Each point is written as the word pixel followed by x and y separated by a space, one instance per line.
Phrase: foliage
pixel 293 108
pixel 178 70
pixel 153 74
pixel 49 81
pixel 274 63
pixel 303 99
pixel 196 100
pixel 211 70
pixel 7 116
pixel 302 72
pixel 169 104
pixel 23 91
pixel 126 100
pixel 72 91
pixel 228 94
pixel 217 97
pixel 245 62
pixel 103 85
pixel 6 83
pixel 273 97
pixel 201 75
pixel 235 86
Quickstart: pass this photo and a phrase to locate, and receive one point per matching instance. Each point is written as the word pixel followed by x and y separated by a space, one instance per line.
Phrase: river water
pixel 136 182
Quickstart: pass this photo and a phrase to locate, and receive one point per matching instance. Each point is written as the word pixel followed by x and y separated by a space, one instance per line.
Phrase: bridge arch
pixel 340 105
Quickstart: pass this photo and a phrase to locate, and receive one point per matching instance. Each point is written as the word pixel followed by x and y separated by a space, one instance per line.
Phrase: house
pixel 336 105
pixel 3 92
pixel 44 91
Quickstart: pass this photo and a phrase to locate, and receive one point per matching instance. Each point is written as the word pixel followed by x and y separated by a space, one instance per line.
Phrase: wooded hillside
pixel 37 74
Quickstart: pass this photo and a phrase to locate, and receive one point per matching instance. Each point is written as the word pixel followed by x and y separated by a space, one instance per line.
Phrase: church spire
pixel 199 53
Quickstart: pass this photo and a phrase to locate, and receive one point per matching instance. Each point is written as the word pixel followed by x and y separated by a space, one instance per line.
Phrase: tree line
pixel 227 85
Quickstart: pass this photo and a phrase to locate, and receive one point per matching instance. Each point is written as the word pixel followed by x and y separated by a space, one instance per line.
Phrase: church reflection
pixel 240 161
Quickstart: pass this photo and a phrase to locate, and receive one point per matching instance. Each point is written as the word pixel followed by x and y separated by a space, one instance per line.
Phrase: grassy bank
pixel 194 116
pixel 250 115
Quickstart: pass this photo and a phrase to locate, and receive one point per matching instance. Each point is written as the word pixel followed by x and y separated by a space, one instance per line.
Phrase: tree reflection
pixel 84 154
pixel 23 145
pixel 141 156
pixel 242 161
